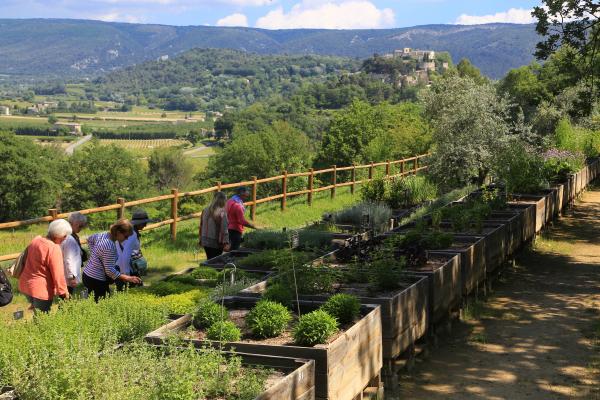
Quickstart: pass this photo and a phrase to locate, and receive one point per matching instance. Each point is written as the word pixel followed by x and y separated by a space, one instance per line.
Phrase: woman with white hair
pixel 73 254
pixel 43 275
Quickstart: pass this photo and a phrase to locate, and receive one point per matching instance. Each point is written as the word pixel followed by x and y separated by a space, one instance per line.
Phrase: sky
pixel 279 14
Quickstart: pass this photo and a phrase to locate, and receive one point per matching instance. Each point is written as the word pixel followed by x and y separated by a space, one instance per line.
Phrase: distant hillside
pixel 66 47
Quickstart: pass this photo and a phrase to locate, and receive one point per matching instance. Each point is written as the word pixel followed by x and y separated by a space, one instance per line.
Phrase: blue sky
pixel 278 14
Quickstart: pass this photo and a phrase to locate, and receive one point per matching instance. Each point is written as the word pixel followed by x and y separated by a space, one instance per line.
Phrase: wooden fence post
pixel 387 168
pixel 218 186
pixel 174 204
pixel 416 165
pixel 254 189
pixel 121 210
pixel 402 168
pixel 311 182
pixel 371 171
pixel 353 187
pixel 284 190
pixel 334 181
pixel 53 212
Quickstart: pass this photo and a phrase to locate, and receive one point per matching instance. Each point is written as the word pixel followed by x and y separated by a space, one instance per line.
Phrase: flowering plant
pixel 558 164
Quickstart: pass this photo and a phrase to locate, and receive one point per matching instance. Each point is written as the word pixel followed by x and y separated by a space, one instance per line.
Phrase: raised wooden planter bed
pixel 343 368
pixel 443 274
pixel 540 202
pixel 514 230
pixel 472 259
pixel 404 313
pixel 233 256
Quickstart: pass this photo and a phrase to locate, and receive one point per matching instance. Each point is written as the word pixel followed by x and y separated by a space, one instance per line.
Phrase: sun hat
pixel 140 217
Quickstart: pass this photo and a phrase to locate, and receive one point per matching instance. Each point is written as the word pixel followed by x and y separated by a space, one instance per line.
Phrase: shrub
pixel 224 331
pixel 411 191
pixel 208 313
pixel 266 240
pixel 521 169
pixel 343 307
pixel 166 288
pixel 279 293
pixel 558 164
pixel 379 215
pixel 375 190
pixel 183 279
pixel 268 319
pixel 315 328
pixel 204 273
pixel 386 272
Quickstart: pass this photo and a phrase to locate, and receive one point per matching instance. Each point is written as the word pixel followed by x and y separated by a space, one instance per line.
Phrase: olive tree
pixel 470 126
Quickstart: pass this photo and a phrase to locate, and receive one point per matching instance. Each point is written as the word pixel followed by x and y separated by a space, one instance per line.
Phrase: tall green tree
pixel 574 23
pixel 470 127
pixel 30 178
pixel 97 175
pixel 279 147
pixel 168 168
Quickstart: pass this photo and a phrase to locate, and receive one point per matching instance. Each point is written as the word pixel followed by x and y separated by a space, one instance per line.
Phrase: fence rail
pixel 407 166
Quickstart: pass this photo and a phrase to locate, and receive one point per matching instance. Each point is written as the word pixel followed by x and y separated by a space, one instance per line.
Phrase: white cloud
pixel 330 14
pixel 117 17
pixel 514 16
pixel 242 3
pixel 236 19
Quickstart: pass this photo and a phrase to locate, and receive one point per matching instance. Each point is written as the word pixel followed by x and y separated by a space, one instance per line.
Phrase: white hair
pixel 59 229
pixel 77 218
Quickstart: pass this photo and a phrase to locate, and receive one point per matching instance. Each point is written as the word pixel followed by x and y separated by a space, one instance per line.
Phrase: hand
pixel 65 296
pixel 72 282
pixel 132 279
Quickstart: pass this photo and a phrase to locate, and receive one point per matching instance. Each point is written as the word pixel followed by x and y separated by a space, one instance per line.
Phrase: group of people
pixel 57 263
pixel 54 264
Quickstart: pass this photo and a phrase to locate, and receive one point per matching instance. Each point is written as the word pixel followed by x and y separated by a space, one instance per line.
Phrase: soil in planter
pixel 433 263
pixel 238 317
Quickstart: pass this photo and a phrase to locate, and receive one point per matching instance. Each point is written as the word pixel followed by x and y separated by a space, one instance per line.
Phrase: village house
pixel 4 110
pixel 74 128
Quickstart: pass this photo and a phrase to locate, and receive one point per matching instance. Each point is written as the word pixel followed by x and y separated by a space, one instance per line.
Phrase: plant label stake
pixel 18 315
pixel 85 294
pixel 294 244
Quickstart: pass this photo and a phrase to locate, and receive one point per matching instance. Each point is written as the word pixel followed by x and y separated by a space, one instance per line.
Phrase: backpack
pixel 17 269
pixel 6 294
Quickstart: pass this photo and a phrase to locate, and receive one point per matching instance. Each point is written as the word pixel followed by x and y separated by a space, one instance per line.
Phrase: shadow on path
pixel 536 336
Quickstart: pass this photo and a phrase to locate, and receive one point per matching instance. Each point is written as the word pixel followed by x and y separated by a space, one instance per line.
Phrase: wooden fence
pixel 404 167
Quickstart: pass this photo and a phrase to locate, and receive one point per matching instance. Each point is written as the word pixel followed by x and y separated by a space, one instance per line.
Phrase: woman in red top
pixel 235 217
pixel 43 275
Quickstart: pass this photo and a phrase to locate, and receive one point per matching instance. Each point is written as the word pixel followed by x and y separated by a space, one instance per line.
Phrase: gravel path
pixel 537 335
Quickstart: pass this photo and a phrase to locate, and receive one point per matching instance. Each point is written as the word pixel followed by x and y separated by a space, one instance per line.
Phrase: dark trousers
pixel 235 239
pixel 71 290
pixel 99 288
pixel 40 305
pixel 211 252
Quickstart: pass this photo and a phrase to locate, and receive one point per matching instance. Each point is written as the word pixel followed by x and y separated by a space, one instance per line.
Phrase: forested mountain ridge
pixel 67 47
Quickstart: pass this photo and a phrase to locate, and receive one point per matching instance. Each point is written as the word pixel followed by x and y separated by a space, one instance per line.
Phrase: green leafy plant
pixel 166 288
pixel 208 314
pixel 183 279
pixel 411 191
pixel 224 331
pixel 385 273
pixel 279 293
pixel 375 190
pixel 266 240
pixel 314 328
pixel 344 308
pixel 379 215
pixel 268 319
pixel 204 273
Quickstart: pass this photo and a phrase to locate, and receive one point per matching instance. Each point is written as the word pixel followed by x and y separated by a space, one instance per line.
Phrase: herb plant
pixel 209 313
pixel 268 319
pixel 314 328
pixel 344 308
pixel 224 331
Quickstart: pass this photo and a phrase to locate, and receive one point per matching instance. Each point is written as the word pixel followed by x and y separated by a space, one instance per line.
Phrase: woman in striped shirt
pixel 101 269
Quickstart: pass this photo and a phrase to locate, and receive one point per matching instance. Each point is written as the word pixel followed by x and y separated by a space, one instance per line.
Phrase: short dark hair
pixel 242 190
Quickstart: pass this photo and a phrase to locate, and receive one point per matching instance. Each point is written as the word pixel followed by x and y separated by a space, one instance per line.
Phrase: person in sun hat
pixel 236 222
pixel 130 259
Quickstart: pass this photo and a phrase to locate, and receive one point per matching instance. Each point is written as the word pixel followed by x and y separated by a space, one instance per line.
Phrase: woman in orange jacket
pixel 43 275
